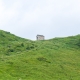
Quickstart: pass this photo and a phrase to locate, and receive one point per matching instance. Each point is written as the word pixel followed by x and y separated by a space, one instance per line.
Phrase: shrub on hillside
pixel 43 59
pixel 10 50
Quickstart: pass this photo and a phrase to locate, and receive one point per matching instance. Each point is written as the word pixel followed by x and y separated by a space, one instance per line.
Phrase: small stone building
pixel 40 37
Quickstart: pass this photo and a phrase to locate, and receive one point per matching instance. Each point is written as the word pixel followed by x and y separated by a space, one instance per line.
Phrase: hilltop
pixel 53 59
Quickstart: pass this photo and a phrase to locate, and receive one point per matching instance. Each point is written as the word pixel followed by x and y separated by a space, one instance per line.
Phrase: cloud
pixel 52 18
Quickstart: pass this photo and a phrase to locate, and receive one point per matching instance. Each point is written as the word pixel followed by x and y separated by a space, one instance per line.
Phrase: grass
pixel 54 59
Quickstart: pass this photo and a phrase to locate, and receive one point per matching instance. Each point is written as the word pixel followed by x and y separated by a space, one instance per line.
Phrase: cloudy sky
pixel 51 18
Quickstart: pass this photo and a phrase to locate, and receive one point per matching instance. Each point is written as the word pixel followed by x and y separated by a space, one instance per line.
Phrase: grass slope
pixel 54 59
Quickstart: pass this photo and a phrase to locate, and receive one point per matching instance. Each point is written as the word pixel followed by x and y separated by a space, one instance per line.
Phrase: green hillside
pixel 54 59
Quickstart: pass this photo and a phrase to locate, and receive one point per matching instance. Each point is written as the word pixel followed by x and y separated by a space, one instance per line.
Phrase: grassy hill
pixel 54 59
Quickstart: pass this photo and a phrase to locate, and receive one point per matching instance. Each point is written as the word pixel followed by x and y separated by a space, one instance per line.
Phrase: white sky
pixel 51 18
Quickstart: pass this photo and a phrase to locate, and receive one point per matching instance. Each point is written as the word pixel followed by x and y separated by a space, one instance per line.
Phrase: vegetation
pixel 54 59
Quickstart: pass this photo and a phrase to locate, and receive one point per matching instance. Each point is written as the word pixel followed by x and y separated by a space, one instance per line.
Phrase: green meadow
pixel 53 59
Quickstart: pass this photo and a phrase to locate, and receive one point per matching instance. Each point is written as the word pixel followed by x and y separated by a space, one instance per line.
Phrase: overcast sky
pixel 51 18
